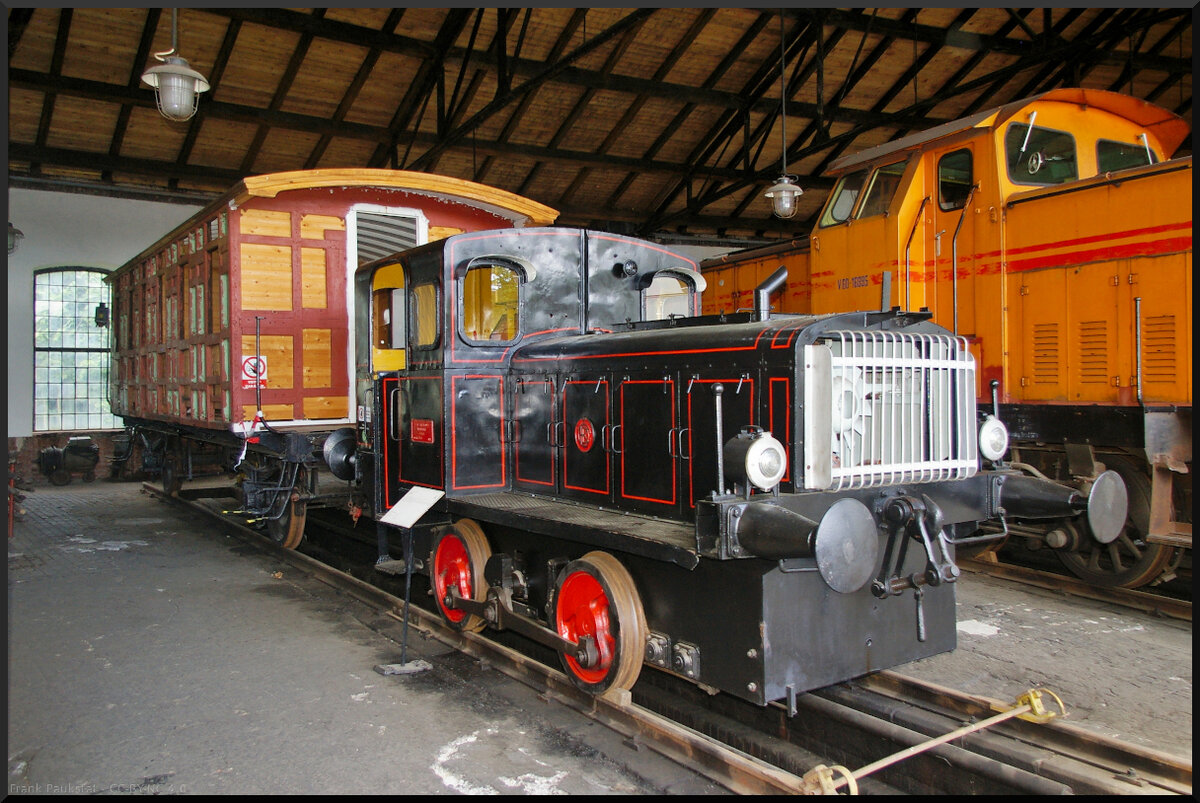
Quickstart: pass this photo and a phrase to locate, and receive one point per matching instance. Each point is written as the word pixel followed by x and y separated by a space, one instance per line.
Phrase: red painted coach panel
pixel 244 308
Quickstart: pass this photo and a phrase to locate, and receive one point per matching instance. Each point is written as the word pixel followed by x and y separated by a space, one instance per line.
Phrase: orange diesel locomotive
pixel 1054 234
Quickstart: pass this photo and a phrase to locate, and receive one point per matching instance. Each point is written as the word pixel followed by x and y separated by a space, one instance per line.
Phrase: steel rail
pixel 1088 762
pixel 1135 599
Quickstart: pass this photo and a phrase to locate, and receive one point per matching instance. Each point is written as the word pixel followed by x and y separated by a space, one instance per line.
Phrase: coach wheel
pixel 459 555
pixel 60 476
pixel 597 606
pixel 89 476
pixel 172 480
pixel 1128 561
pixel 288 529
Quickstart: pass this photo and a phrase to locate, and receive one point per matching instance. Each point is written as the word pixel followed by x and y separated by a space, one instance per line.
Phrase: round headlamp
pixel 993 438
pixel 757 457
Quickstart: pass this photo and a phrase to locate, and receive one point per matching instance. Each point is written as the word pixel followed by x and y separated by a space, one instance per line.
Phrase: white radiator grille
pixel 883 408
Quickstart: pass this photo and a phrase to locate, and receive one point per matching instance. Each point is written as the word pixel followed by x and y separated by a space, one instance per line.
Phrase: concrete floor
pixel 1121 673
pixel 151 653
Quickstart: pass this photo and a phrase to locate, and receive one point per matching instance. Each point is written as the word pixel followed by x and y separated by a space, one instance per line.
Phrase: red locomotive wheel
pixel 459 555
pixel 597 602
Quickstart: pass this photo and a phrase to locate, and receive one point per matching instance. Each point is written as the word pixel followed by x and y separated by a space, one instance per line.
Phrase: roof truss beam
pixel 1061 53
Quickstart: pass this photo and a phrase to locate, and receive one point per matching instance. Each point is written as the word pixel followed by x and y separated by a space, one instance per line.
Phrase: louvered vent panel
pixel 1093 352
pixel 379 235
pixel 1045 353
pixel 897 408
pixel 1158 349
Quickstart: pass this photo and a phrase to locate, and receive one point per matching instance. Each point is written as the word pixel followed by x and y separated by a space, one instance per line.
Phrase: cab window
pixel 841 201
pixel 954 179
pixel 490 304
pixel 1112 156
pixel 884 183
pixel 668 296
pixel 388 306
pixel 1039 156
pixel 423 311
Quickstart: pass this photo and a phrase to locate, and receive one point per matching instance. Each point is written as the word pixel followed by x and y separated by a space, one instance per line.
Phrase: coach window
pixel 1039 156
pixel 1112 156
pixel 883 186
pixel 489 301
pixel 841 201
pixel 954 179
pixel 425 320
pixel 388 306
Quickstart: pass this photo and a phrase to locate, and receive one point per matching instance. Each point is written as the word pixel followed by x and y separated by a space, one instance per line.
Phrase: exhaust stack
pixel 762 293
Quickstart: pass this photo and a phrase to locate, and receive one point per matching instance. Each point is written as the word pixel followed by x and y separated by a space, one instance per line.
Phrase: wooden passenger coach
pixel 233 335
pixel 244 307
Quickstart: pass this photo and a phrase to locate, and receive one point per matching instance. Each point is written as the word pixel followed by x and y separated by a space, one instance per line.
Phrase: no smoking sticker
pixel 254 372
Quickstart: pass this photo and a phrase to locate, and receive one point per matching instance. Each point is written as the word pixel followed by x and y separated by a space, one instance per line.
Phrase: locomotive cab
pixel 445 320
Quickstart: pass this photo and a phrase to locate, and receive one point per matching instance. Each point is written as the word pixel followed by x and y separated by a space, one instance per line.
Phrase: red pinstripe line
pixel 1101 254
pixel 1106 237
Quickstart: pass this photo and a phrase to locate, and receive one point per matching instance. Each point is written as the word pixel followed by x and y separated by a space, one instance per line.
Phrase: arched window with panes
pixel 71 351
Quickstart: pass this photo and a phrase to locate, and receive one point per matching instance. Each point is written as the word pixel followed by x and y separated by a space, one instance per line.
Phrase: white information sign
pixel 412 506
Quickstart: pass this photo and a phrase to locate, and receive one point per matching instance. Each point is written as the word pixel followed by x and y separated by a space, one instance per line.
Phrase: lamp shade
pixel 177 87
pixel 783 195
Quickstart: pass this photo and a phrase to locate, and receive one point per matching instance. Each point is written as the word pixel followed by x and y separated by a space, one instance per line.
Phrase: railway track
pixel 772 750
pixel 1153 602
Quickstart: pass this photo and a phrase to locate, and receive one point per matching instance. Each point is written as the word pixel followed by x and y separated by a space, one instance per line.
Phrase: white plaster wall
pixel 67 230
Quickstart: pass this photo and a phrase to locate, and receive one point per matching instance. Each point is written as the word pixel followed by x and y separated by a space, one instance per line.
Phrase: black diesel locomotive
pixel 763 504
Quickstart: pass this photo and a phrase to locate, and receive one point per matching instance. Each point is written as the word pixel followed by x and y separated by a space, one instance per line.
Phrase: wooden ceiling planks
pixel 665 117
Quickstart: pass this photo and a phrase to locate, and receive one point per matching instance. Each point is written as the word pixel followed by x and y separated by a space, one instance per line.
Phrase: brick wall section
pixel 26 451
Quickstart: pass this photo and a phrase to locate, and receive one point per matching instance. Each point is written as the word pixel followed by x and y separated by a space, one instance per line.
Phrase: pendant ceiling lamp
pixel 784 192
pixel 177 86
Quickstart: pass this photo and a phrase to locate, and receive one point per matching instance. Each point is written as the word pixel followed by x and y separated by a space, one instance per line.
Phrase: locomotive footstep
pixel 410 668
pixel 390 566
